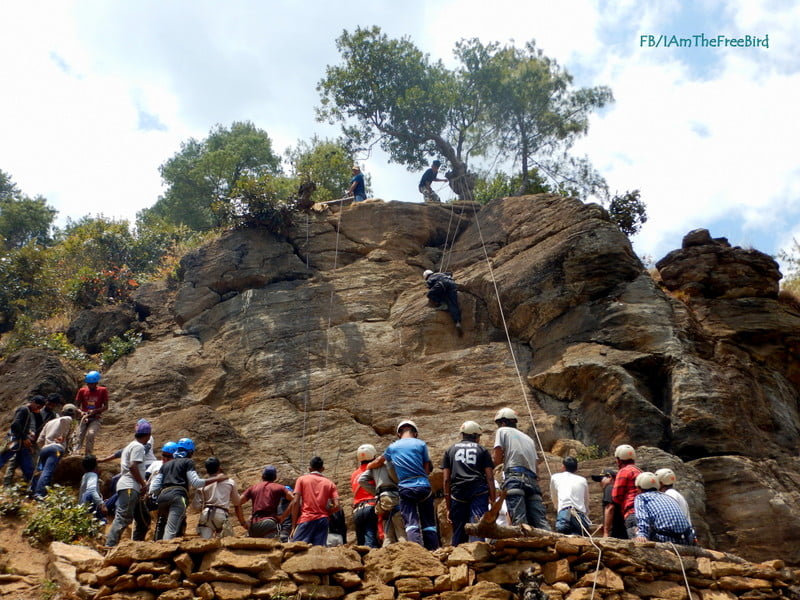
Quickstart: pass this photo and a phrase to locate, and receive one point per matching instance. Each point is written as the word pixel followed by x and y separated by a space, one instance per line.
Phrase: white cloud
pixel 708 135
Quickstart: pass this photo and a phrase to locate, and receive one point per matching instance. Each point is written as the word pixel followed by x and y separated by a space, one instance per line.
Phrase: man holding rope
pixel 427 179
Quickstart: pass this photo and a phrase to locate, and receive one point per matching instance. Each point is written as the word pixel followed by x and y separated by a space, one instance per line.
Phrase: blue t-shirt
pixel 409 456
pixel 359 190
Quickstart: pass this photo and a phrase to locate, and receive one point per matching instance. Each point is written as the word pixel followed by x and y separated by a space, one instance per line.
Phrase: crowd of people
pixel 393 499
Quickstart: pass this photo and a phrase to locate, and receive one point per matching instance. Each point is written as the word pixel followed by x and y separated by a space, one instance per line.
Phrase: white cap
pixel 366 452
pixel 647 481
pixel 471 428
pixel 406 423
pixel 506 413
pixel 666 476
pixel 625 452
pixel 426 273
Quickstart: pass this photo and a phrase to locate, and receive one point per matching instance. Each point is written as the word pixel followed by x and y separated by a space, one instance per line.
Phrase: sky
pixel 97 94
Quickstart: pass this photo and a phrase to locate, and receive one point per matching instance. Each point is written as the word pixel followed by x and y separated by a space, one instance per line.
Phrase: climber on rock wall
pixel 443 293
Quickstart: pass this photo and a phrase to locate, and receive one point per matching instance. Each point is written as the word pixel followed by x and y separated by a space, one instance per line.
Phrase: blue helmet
pixel 92 377
pixel 186 444
pixel 180 453
pixel 169 448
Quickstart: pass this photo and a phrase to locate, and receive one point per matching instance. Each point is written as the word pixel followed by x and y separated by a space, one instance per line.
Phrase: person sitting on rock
pixel 89 491
pixel 658 517
pixel 625 491
pixel 666 481
pixel 443 293
pixel 570 492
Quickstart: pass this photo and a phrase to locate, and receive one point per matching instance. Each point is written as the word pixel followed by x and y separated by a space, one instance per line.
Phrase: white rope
pixel 508 339
pixel 683 571
pixel 328 330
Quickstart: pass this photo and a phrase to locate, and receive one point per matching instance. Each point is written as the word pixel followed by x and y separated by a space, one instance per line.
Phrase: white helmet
pixel 471 428
pixel 506 413
pixel 426 273
pixel 666 476
pixel 625 452
pixel 407 423
pixel 366 452
pixel 647 481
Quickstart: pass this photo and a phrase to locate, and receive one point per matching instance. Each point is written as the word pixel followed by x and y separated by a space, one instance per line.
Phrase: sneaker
pixel 459 331
pixel 442 307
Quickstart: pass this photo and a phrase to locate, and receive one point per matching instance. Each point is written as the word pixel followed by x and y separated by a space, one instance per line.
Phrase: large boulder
pixel 93 327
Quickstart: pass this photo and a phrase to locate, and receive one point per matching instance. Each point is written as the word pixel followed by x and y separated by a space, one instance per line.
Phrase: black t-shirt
pixel 467 462
pixel 174 473
pixel 427 177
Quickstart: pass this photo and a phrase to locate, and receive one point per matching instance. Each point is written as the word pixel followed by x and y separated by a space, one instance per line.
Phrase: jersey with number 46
pixel 467 462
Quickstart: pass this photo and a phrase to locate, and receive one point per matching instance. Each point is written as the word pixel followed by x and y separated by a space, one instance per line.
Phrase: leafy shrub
pixel 592 452
pixel 11 500
pixel 108 286
pixel 628 211
pixel 28 334
pixel 255 202
pixel 60 518
pixel 119 346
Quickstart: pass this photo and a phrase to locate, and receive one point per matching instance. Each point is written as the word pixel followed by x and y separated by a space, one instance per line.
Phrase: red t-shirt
pixel 91 399
pixel 266 495
pixel 359 493
pixel 316 491
pixel 625 490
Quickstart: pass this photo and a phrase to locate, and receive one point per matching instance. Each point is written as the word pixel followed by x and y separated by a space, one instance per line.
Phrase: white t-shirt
pixel 133 453
pixel 678 497
pixel 569 489
pixel 222 494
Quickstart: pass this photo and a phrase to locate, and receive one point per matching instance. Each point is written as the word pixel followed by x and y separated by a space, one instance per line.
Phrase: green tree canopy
pixel 23 219
pixel 325 162
pixel 515 102
pixel 201 176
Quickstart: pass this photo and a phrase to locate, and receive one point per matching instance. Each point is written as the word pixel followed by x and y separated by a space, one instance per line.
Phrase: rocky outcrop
pixel 94 327
pixel 272 349
pixel 563 567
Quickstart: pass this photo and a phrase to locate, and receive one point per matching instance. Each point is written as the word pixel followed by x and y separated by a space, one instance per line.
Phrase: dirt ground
pixel 22 566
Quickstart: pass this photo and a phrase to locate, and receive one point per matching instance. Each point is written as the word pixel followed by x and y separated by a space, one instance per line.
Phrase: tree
pixel 326 163
pixel 388 92
pixel 201 176
pixel 514 101
pixel 628 212
pixel 791 258
pixel 536 112
pixel 488 187
pixel 23 219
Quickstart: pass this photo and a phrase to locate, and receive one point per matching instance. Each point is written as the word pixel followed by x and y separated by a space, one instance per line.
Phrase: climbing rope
pixel 683 570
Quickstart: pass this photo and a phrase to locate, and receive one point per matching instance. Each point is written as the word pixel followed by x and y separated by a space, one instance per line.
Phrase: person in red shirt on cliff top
pixel 92 401
pixel 365 519
pixel 316 499
pixel 625 491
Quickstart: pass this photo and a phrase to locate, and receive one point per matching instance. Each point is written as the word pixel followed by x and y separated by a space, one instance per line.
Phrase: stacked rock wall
pixel 566 567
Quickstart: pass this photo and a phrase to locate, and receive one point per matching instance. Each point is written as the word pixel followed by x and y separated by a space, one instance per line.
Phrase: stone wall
pixel 566 566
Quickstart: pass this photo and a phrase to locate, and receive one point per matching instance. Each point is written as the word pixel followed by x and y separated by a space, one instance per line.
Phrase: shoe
pixel 442 307
pixel 459 331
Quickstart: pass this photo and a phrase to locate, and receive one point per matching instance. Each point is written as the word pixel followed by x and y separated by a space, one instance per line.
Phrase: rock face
pixel 94 327
pixel 272 350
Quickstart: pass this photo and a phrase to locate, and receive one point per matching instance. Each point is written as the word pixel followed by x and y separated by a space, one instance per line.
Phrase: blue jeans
pixel 24 460
pixel 467 511
pixel 524 500
pixel 49 458
pixel 567 523
pixel 366 525
pixel 416 506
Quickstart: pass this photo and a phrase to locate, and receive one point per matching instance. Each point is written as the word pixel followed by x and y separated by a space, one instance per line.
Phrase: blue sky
pixel 98 94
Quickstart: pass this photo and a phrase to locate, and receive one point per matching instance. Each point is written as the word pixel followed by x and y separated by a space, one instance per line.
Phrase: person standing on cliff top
pixel 92 401
pixel 357 188
pixel 516 451
pixel 625 491
pixel 427 179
